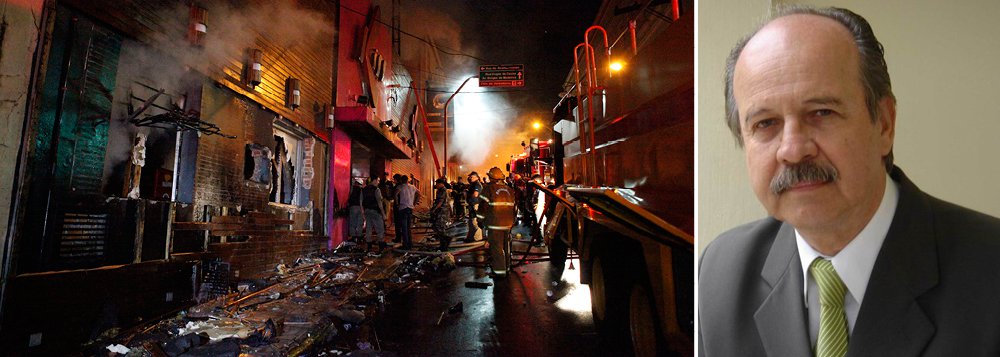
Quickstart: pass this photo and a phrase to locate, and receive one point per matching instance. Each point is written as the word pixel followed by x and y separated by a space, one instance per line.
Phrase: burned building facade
pixel 152 143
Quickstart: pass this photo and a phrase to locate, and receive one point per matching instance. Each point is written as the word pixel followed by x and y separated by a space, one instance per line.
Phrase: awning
pixel 361 124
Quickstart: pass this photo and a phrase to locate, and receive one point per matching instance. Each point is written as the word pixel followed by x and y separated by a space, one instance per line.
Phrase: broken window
pixel 291 168
pixel 257 163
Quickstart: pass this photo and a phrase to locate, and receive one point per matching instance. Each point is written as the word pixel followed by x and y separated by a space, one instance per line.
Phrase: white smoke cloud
pixel 480 119
pixel 166 62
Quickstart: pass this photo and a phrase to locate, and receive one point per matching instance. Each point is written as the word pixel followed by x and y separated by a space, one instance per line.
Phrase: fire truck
pixel 623 159
pixel 535 160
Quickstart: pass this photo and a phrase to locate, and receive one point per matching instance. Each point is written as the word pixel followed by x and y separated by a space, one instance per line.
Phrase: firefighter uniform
pixel 474 190
pixel 441 213
pixel 498 213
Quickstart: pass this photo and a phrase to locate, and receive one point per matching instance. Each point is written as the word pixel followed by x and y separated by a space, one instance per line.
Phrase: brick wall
pixel 220 182
pixel 260 255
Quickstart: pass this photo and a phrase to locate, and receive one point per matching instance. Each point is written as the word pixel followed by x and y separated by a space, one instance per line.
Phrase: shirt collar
pixel 854 263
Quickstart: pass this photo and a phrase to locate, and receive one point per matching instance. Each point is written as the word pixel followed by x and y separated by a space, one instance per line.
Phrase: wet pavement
pixel 513 317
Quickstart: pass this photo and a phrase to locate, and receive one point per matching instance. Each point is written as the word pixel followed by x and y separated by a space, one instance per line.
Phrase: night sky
pixel 538 34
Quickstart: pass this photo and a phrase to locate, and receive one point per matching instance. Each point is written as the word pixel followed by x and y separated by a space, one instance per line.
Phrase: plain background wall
pixel 17 47
pixel 942 59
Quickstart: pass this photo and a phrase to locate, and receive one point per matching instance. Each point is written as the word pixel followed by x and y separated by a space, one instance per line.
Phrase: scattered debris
pixel 119 349
pixel 217 330
pixel 349 315
pixel 319 305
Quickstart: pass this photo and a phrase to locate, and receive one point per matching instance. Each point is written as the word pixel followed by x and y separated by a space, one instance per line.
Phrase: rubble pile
pixel 320 305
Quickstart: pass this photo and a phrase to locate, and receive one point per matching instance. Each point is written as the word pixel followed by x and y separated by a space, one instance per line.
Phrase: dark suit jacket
pixel 934 289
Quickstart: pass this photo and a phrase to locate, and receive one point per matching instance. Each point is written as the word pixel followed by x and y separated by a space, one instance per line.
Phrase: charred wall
pixel 296 40
pixel 221 183
pixel 58 310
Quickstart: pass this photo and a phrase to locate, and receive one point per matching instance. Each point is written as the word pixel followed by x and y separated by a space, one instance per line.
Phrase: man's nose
pixel 797 143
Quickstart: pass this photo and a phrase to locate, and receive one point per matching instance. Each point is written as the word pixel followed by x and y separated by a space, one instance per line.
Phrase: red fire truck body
pixel 626 202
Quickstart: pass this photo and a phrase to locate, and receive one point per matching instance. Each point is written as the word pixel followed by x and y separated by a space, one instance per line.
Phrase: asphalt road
pixel 513 317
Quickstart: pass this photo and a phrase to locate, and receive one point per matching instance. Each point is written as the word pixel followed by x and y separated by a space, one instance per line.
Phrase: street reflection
pixel 571 295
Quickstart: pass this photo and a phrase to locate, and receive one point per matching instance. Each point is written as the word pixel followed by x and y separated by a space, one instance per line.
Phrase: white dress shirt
pixel 854 263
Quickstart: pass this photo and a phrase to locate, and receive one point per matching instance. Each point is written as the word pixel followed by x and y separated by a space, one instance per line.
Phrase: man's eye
pixel 762 124
pixel 823 112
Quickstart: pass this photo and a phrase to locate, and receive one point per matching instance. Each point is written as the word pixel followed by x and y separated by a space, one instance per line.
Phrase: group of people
pixel 489 209
pixel 380 201
pixel 492 207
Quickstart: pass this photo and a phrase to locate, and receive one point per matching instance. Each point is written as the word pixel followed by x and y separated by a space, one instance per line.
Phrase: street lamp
pixel 444 172
pixel 616 66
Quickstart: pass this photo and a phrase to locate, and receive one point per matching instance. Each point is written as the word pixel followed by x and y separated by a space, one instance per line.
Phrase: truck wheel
pixel 642 321
pixel 609 304
pixel 598 305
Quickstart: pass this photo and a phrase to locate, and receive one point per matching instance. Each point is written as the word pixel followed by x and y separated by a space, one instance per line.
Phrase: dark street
pixel 514 317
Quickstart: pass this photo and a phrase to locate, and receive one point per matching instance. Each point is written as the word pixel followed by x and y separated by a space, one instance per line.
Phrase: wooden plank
pixel 256 233
pixel 261 221
pixel 191 226
pixel 228 219
pixel 226 226
pixel 140 226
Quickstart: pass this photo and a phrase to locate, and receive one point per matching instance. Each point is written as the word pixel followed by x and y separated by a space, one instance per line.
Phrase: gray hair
pixel 874 72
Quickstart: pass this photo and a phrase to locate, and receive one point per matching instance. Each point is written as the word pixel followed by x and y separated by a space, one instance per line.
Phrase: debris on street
pixel 321 304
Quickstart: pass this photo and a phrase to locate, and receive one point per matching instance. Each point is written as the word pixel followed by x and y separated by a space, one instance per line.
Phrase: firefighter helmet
pixel 495 173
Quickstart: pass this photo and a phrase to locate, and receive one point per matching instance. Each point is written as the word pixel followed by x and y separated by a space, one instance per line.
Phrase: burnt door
pixel 67 222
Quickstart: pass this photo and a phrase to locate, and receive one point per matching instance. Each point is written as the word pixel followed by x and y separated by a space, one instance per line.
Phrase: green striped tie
pixel 832 341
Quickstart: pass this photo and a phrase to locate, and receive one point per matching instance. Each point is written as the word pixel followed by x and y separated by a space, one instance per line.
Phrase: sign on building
pixel 502 75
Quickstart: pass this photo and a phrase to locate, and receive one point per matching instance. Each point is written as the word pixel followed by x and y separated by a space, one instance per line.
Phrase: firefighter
pixel 472 192
pixel 458 197
pixel 497 204
pixel 441 212
pixel 530 206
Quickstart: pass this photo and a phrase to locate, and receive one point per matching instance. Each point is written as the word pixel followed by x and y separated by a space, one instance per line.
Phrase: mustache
pixel 802 172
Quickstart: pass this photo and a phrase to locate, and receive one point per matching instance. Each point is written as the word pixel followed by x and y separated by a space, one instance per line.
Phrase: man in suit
pixel 854 259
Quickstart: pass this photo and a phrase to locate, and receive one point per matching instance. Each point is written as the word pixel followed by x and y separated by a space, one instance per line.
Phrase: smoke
pixel 480 120
pixel 139 67
pixel 283 24
pixel 168 61
pixel 231 31
pixel 483 122
pixel 440 29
